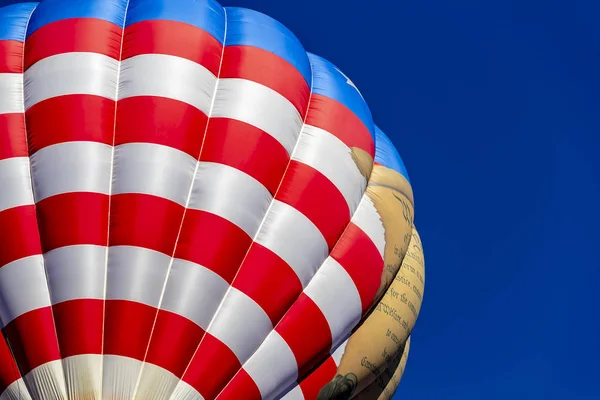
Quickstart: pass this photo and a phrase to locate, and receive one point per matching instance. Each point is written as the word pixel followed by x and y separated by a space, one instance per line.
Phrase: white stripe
pixel 334 292
pixel 23 288
pixel 136 274
pixel 294 238
pixel 338 346
pixel 156 383
pixel 184 391
pixel 83 376
pixel 369 221
pixel 294 394
pixel 273 366
pixel 167 76
pixel 47 378
pixel 76 272
pixel 71 73
pixel 193 292
pixel 15 181
pixel 241 324
pixel 259 106
pixel 16 391
pixel 153 169
pixel 119 376
pixel 231 194
pixel 336 356
pixel 339 353
pixel 71 167
pixel 331 157
pixel 11 93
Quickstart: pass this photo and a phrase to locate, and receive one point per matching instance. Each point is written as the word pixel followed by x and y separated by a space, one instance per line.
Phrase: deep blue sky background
pixel 495 108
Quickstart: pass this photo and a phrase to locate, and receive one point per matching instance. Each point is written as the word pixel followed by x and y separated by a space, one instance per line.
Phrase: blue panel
pixel 14 19
pixel 55 10
pixel 9 2
pixel 207 15
pixel 330 82
pixel 251 28
pixel 387 155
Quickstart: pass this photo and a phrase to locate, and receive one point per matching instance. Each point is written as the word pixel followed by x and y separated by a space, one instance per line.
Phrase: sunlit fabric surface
pixel 183 203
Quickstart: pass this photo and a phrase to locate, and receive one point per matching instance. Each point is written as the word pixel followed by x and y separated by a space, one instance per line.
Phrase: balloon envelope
pixel 184 211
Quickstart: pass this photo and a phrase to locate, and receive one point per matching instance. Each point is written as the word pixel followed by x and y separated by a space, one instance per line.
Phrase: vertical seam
pixel 187 202
pixel 112 165
pixel 35 208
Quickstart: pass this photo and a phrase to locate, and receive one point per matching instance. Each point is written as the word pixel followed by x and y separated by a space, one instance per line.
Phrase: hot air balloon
pixel 192 206
pixel 371 362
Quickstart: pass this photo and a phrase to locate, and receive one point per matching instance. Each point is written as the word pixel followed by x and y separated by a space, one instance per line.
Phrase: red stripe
pixel 305 329
pixel 268 69
pixel 73 218
pixel 13 137
pixel 246 148
pixel 11 56
pixel 242 386
pixel 9 372
pixel 175 39
pixel 144 221
pixel 166 122
pixel 269 281
pixel 127 328
pixel 32 338
pixel 79 325
pixel 310 192
pixel 340 121
pixel 174 341
pixel 19 235
pixel 90 35
pixel 213 242
pixel 76 117
pixel 361 259
pixel 314 382
pixel 215 360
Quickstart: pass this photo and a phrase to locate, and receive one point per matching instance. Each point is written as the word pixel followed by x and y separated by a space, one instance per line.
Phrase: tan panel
pixel 381 338
pixel 384 387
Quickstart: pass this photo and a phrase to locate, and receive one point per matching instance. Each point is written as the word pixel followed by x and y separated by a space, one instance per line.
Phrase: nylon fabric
pixel 190 205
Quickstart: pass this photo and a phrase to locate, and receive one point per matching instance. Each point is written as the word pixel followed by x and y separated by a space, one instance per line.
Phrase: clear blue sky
pixel 495 108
